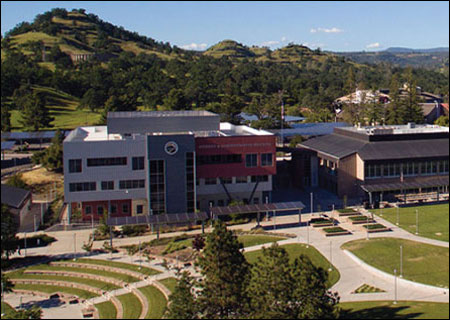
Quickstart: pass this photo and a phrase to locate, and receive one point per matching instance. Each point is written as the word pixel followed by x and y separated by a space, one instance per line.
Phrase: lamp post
pixel 312 207
pixel 397 214
pixel 74 246
pixel 140 259
pixel 307 235
pixel 395 286
pixel 331 257
pixel 367 228
pixel 417 221
pixel 401 261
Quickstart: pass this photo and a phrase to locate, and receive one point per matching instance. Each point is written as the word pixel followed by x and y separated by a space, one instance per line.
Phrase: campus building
pixel 395 162
pixel 165 162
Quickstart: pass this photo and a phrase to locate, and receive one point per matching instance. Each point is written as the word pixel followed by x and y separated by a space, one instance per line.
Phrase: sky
pixel 332 26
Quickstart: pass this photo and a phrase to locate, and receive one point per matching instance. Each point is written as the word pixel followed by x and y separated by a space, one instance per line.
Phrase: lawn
pixel 295 250
pixel 8 311
pixel 433 220
pixel 169 283
pixel 132 307
pixel 388 310
pixel 122 265
pixel 106 310
pixel 422 263
pixel 109 274
pixel 63 107
pixel 52 289
pixel 156 302
pixel 254 240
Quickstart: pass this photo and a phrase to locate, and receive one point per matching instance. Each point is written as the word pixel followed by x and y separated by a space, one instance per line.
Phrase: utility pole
pixel 417 221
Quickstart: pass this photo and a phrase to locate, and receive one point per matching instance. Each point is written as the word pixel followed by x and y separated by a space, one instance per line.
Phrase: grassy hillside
pixel 63 108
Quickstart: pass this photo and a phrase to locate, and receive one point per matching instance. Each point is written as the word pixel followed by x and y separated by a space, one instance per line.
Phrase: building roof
pixel 310 129
pixel 8 145
pixel 159 114
pixel 411 183
pixel 339 146
pixel 29 135
pixel 13 197
pixel 178 218
pixel 428 108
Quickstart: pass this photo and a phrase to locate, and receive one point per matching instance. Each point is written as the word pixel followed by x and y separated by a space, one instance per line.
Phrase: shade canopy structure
pixel 407 184
pixel 252 208
pixel 8 145
pixel 159 219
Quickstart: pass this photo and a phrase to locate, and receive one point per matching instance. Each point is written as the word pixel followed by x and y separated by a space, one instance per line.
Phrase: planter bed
pixel 335 231
pixel 321 222
pixel 347 212
pixel 360 219
pixel 376 228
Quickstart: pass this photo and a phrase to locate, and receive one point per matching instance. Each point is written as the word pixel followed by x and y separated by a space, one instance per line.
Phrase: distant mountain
pixel 409 50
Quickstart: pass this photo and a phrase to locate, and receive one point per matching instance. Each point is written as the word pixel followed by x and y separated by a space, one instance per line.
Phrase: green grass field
pixel 422 263
pixel 295 250
pixel 63 107
pixel 144 270
pixel 156 302
pixel 51 289
pixel 8 311
pixel 170 283
pixel 132 307
pixel 433 220
pixel 388 310
pixel 109 274
pixel 254 240
pixel 106 310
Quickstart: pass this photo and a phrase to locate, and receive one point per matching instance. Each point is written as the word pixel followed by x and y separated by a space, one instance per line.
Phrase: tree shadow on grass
pixel 383 312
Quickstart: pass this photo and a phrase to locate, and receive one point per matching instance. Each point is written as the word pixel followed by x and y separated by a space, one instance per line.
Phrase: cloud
pixel 373 45
pixel 283 39
pixel 195 46
pixel 314 45
pixel 270 43
pixel 326 30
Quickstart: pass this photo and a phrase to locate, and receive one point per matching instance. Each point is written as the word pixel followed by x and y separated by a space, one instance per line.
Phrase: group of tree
pixel 51 158
pixel 189 80
pixel 272 288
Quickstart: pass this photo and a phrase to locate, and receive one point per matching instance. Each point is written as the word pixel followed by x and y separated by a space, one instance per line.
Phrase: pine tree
pixel 412 110
pixel 35 115
pixel 181 302
pixel 225 272
pixel 6 118
pixel 394 114
pixel 271 285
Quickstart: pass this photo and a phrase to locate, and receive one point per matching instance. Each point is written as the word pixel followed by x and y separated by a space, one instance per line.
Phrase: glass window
pixel 88 210
pixel 209 181
pixel 139 209
pixel 251 160
pixel 226 180
pixel 242 179
pixel 100 162
pixel 125 208
pixel 137 163
pixel 74 165
pixel 107 185
pixel 100 210
pixel 113 208
pixel 266 160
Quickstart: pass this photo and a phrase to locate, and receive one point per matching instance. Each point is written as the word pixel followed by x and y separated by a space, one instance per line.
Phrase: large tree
pixel 182 302
pixel 225 272
pixel 282 290
pixel 35 114
pixel 9 229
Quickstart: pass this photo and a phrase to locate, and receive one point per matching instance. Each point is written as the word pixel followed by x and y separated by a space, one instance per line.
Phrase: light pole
pixel 307 235
pixel 312 208
pixel 74 246
pixel 140 259
pixel 367 228
pixel 395 286
pixel 417 221
pixel 398 214
pixel 401 261
pixel 331 257
pixel 25 243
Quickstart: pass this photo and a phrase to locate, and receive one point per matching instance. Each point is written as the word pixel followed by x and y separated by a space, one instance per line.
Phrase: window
pixel 220 203
pixel 242 179
pixel 107 185
pixel 251 160
pixel 113 208
pixel 190 182
pixel 139 209
pixel 82 186
pixel 266 160
pixel 100 210
pixel 101 162
pixel 137 163
pixel 226 180
pixel 157 187
pixel 88 210
pixel 125 208
pixel 255 200
pixel 219 159
pixel 260 178
pixel 131 184
pixel 209 181
pixel 74 165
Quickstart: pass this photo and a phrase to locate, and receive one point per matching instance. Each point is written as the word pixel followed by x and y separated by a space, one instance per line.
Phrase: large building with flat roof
pixel 165 162
pixel 389 161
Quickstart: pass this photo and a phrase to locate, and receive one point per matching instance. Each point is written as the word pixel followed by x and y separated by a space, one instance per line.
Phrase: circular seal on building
pixel 171 148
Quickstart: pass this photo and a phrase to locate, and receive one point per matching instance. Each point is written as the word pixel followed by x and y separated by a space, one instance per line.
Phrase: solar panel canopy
pixel 251 208
pixel 158 219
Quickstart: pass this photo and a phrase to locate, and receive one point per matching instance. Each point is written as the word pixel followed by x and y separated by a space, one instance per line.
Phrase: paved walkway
pixel 352 275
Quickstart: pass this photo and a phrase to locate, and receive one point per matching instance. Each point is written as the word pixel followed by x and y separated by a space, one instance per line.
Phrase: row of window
pixel 113 208
pixel 106 185
pixel 229 180
pixel 137 163
pixel 251 160
pixel 410 168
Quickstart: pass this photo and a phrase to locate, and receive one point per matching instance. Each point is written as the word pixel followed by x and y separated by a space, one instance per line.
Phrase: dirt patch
pixel 416 259
pixel 42 181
